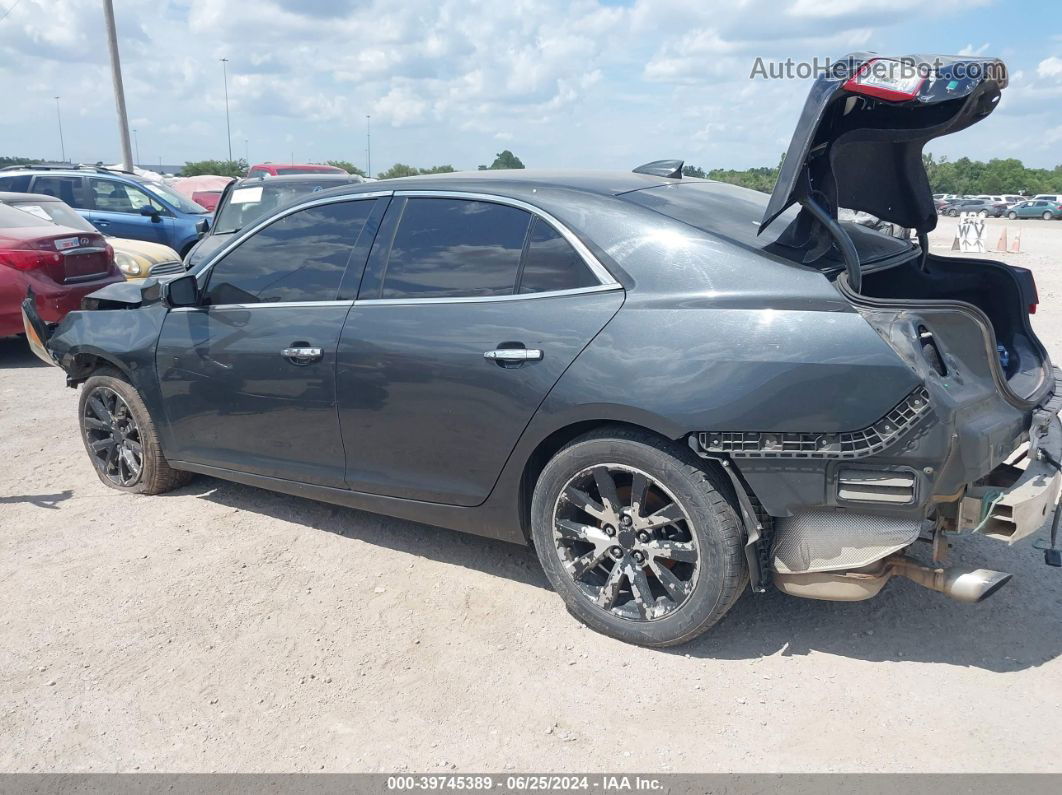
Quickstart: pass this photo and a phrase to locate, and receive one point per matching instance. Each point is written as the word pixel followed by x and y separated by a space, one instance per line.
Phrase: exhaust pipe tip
pixel 962 584
pixel 974 586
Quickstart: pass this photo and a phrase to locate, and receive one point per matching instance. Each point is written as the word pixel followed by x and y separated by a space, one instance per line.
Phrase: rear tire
pixel 658 557
pixel 983 213
pixel 1047 216
pixel 121 439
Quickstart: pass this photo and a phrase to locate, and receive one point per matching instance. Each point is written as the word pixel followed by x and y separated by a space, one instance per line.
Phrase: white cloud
pixel 1050 67
pixel 969 49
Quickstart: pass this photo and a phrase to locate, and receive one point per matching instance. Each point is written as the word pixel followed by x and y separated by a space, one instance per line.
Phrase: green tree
pixel 18 161
pixel 504 159
pixel 347 166
pixel 222 168
pixel 693 171
pixel 402 170
pixel 399 170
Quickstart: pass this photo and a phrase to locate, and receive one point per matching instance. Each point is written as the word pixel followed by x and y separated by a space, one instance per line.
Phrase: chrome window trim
pixel 264 305
pixel 607 282
pixel 487 299
pixel 600 272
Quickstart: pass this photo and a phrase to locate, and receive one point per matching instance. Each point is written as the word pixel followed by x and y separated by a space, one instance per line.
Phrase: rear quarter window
pixel 15 184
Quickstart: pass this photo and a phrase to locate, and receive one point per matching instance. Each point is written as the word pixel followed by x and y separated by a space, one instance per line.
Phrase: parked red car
pixel 62 265
pixel 207 199
pixel 283 169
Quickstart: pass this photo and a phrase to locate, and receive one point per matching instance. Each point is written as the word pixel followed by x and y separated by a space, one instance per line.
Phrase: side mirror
pixel 182 291
pixel 150 212
pixel 202 226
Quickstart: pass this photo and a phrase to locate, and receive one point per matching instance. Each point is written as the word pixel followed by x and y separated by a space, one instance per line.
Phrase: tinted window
pixel 18 184
pixel 69 189
pixel 300 257
pixel 453 247
pixel 551 263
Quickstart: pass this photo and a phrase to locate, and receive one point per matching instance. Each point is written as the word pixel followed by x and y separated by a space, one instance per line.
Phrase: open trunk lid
pixel 859 140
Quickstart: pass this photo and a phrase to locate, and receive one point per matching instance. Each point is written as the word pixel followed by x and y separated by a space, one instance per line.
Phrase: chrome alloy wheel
pixel 113 437
pixel 626 542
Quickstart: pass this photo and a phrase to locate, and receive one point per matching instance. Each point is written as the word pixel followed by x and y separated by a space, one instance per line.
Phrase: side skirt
pixel 482 520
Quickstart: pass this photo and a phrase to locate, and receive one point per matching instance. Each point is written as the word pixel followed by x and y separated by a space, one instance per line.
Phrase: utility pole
pixel 59 117
pixel 228 129
pixel 119 91
pixel 368 145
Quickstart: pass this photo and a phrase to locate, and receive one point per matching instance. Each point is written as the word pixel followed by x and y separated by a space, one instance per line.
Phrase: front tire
pixel 1012 216
pixel 641 542
pixel 120 437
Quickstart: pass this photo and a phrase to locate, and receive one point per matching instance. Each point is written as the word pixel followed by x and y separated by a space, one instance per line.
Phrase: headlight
pixel 126 264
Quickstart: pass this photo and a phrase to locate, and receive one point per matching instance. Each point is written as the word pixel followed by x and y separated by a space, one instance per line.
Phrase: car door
pixel 117 210
pixel 470 310
pixel 247 378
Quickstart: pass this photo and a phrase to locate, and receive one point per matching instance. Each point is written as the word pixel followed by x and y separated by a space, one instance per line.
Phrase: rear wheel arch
pixel 556 441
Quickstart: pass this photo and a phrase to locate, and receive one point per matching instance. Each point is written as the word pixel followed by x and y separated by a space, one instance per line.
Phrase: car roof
pixel 85 171
pixel 604 183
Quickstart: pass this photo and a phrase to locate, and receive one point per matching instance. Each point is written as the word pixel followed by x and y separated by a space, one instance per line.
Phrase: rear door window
pixel 300 257
pixel 550 263
pixel 17 184
pixel 70 189
pixel 446 248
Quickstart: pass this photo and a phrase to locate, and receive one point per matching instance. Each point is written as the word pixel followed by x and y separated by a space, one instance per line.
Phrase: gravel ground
pixel 223 628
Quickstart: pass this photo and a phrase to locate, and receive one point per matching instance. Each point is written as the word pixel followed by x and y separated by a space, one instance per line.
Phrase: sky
pixel 581 84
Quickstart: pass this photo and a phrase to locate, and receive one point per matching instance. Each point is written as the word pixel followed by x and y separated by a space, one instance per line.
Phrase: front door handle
pixel 302 355
pixel 514 355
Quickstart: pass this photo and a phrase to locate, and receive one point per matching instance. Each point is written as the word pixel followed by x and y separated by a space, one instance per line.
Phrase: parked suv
pixel 671 387
pixel 116 202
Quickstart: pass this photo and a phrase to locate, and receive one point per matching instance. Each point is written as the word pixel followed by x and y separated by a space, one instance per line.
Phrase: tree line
pixel 961 176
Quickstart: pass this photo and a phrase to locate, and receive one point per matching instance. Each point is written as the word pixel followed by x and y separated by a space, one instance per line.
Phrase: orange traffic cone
pixel 1002 244
pixel 1015 247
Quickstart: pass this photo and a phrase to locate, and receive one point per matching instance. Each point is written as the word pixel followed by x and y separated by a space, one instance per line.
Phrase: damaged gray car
pixel 676 390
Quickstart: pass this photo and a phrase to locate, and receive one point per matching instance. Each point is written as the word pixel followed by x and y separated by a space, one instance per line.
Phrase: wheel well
pixel 85 364
pixel 549 447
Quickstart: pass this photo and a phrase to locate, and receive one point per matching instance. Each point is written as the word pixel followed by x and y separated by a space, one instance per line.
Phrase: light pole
pixel 136 143
pixel 228 129
pixel 246 151
pixel 59 118
pixel 368 145
pixel 116 78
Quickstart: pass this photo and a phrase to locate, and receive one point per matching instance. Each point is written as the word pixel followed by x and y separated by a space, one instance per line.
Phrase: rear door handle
pixel 302 355
pixel 514 355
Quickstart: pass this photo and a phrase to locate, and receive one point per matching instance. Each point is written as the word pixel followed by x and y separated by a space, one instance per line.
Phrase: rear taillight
pixel 29 260
pixel 888 79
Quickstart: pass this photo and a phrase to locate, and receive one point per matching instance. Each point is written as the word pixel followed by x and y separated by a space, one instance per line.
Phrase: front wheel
pixel 640 541
pixel 121 439
pixel 953 213
pixel 983 213
pixel 1012 216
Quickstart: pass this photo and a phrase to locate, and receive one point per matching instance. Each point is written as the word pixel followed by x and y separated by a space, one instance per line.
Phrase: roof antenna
pixel 662 168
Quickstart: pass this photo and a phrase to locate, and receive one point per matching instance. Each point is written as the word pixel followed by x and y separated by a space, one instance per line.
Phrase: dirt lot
pixel 226 628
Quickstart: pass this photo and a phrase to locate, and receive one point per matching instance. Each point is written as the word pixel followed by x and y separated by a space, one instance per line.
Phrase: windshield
pixel 56 212
pixel 248 204
pixel 174 198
